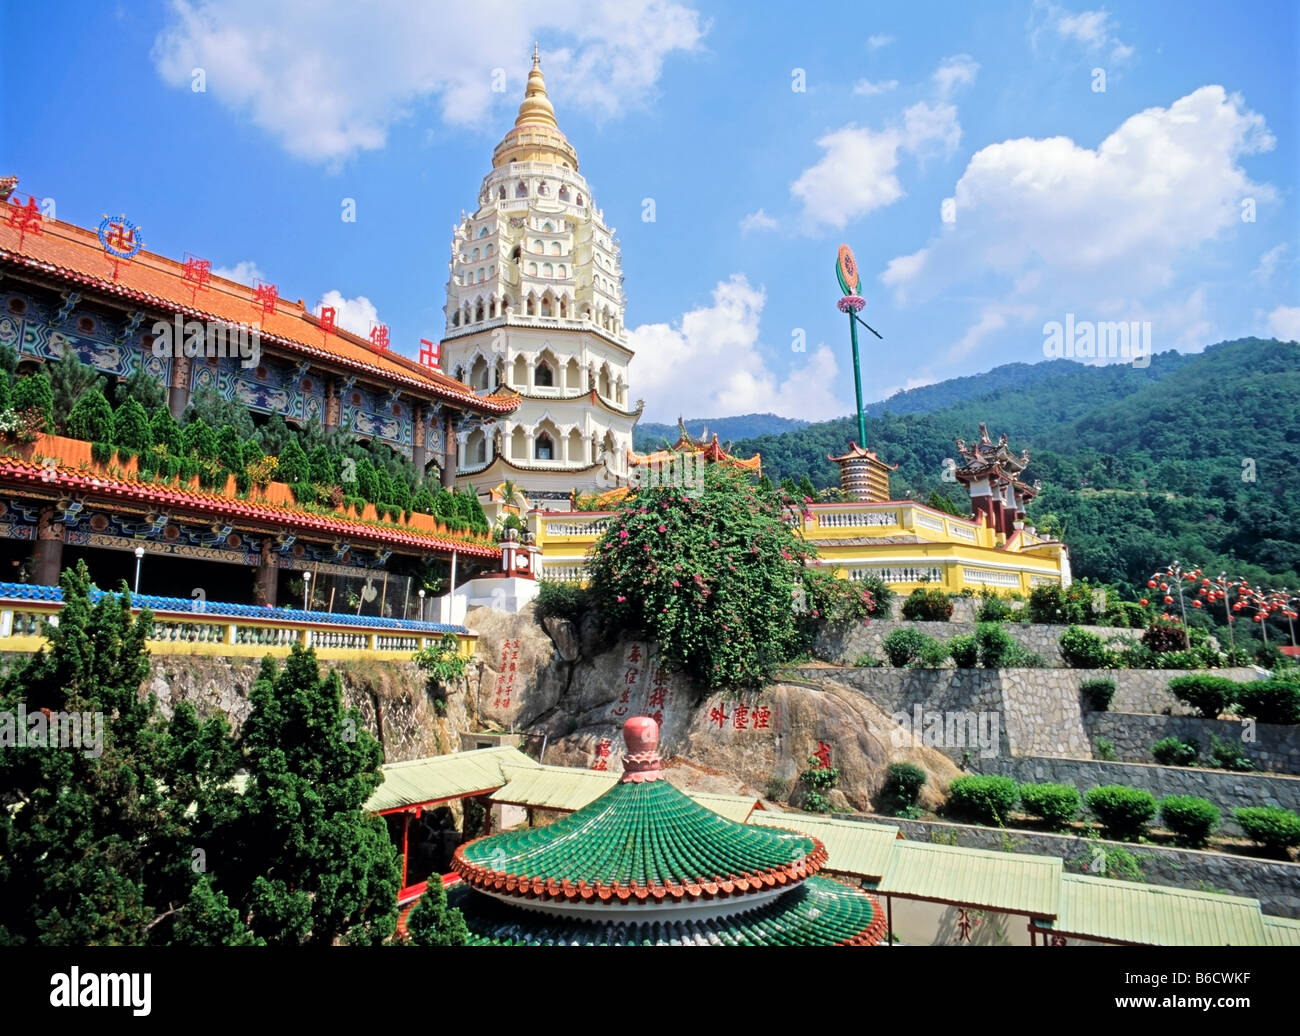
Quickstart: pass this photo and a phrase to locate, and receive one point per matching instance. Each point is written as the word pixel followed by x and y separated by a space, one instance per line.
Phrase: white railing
pixel 577 528
pixel 928 521
pixel 990 577
pixel 900 574
pixel 961 532
pixel 1044 581
pixel 565 573
pixel 855 519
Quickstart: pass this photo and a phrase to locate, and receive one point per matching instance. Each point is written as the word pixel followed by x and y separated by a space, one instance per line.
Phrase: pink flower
pixel 675 583
pixel 622 535
pixel 621 598
pixel 663 528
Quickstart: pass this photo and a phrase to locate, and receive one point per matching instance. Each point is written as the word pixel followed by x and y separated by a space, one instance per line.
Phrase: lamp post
pixel 306 591
pixel 421 604
pixel 139 556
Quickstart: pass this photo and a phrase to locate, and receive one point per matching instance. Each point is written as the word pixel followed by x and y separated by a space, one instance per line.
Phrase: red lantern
pixel 1196 604
pixel 1169 600
pixel 1151 583
pixel 1164 586
pixel 1143 602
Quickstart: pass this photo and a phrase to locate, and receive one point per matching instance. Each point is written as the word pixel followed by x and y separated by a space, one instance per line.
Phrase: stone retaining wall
pixel 1226 789
pixel 1274 883
pixel 1274 747
pixel 1039 709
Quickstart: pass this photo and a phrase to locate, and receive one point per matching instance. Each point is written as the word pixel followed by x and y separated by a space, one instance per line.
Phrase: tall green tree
pixel 32 392
pixel 70 379
pixel 91 419
pixel 97 842
pixel 131 425
pixel 144 388
pixel 300 858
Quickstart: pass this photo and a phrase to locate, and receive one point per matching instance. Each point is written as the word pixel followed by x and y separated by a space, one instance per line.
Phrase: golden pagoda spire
pixel 536 136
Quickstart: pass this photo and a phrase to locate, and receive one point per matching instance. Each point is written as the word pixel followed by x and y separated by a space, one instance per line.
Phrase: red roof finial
pixel 641 763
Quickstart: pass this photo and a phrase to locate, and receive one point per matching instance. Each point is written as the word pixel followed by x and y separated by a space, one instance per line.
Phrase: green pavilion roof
pixel 635 841
pixel 820 912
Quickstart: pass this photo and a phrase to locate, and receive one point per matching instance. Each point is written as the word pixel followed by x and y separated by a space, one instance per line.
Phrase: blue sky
pixel 765 134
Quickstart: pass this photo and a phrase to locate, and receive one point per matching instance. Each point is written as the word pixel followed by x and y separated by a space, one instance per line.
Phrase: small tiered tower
pixel 863 475
pixel 991 474
pixel 535 304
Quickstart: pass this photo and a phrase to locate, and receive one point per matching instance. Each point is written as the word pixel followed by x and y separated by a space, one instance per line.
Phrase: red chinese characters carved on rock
pixel 743 716
pixel 602 754
pixel 630 677
pixel 823 755
pixel 506 674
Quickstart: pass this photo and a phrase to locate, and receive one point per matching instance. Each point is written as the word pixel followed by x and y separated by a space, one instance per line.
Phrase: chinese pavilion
pixel 644 864
pixel 991 474
pixel 863 475
pixel 535 304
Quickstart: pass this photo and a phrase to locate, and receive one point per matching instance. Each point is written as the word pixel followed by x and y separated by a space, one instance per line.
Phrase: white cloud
pixel 1109 221
pixel 1284 323
pixel 866 88
pixel 1268 262
pixel 956 71
pixel 328 79
pixel 1094 30
pixel 357 315
pixel 759 220
pixel 712 362
pixel 244 272
pixel 877 40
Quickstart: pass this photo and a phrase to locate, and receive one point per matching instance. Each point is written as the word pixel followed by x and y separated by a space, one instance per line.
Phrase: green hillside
pixel 1141 466
pixel 648 435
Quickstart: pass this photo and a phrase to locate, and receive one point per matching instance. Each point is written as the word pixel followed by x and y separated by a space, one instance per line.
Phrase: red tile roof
pixel 73 255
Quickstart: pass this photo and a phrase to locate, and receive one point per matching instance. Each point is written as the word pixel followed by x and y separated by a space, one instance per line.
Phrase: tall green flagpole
pixel 857 380
pixel 846 270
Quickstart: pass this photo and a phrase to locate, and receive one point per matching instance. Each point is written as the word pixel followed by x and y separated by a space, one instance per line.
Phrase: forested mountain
pixel 648 435
pixel 1193 457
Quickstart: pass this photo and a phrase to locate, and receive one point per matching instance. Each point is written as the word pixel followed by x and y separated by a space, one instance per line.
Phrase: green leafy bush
pixel 1209 695
pixel 1057 804
pixel 131 427
pixel 820 780
pixel 984 799
pixel 866 661
pixel 1123 812
pixel 1098 693
pixel 101 452
pixel 838 600
pixel 933 654
pixel 996 648
pixel 995 608
pixel 1270 701
pixel 1104 749
pixel 561 600
pixel 1166 635
pixel 927 606
pixel 1022 658
pixel 33 392
pixel 964 651
pixel 1172 751
pixel 1274 828
pixel 1191 819
pixel 1084 650
pixel 91 419
pixel 903 645
pixel 901 788
pixel 1229 755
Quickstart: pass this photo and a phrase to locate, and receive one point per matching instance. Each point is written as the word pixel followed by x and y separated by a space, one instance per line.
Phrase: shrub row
pixel 1275 700
pixel 990 647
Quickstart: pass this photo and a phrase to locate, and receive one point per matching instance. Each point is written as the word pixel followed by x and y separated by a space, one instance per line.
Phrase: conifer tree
pixel 91 419
pixel 131 426
pixel 293 464
pixel 164 431
pixel 33 392
pixel 432 922
pixel 70 379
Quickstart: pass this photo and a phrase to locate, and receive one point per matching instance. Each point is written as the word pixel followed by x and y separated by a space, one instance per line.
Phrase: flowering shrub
pixel 711 577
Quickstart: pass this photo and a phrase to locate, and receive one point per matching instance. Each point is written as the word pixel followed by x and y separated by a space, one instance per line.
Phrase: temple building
pixel 645 864
pixel 99 296
pixel 991 474
pixel 863 475
pixel 535 306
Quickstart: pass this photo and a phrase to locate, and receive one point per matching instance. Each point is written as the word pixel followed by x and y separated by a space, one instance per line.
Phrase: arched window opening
pixel 543 376
pixel 542 447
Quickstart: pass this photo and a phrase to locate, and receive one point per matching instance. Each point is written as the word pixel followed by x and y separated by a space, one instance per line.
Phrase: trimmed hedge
pixel 1123 812
pixel 1057 804
pixel 1190 818
pixel 1083 650
pixel 986 800
pixel 996 648
pixel 1209 695
pixel 1270 701
pixel 964 651
pixel 1272 827
pixel 927 606
pixel 903 645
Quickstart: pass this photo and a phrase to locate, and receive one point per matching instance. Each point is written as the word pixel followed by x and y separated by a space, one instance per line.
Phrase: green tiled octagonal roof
pixel 638 840
pixel 820 912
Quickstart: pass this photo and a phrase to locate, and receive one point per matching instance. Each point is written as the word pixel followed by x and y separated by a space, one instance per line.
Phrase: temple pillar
pixel 333 405
pixel 178 389
pixel 419 453
pixel 449 452
pixel 47 557
pixel 266 580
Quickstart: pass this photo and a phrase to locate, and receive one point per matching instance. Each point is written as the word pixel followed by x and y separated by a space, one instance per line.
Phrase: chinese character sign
pixel 265 296
pixel 628 682
pixel 602 754
pixel 823 755
pixel 25 218
pixel 327 315
pixel 379 337
pixel 739 715
pixel 430 354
